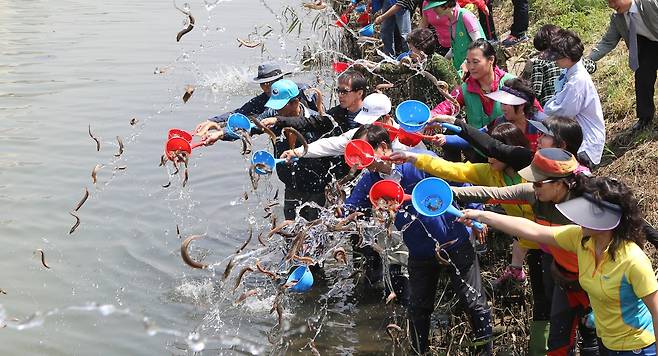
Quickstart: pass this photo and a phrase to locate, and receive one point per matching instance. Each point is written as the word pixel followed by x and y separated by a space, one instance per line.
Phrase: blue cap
pixel 282 91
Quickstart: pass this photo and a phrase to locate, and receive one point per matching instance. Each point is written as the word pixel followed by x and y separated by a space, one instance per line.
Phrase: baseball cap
pixel 282 91
pixel 549 163
pixel 591 213
pixel 374 106
pixel 433 4
pixel 507 95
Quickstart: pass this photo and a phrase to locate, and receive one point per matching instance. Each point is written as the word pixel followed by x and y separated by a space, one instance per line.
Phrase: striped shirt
pixel 410 5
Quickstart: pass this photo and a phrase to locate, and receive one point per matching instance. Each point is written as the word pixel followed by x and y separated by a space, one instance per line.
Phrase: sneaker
pixel 512 273
pixel 512 40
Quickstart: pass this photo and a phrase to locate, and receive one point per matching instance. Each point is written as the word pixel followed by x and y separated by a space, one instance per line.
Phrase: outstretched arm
pixel 513 225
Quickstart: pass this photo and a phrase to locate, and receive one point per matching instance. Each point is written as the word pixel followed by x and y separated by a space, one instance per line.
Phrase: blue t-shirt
pixel 421 234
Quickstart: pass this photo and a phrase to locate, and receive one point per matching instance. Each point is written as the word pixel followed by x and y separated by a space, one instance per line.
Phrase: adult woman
pixel 612 268
pixel 483 77
pixel 519 105
pixel 494 174
pixel 463 28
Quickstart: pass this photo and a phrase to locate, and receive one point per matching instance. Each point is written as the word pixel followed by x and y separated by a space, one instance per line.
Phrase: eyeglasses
pixel 541 183
pixel 341 91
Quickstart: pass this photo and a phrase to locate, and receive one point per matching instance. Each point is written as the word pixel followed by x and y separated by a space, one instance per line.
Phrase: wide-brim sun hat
pixel 541 127
pixel 433 4
pixel 507 95
pixel 549 163
pixel 269 72
pixel 375 106
pixel 591 213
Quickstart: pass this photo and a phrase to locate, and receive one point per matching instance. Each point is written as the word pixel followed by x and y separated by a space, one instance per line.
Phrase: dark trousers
pixel 645 78
pixel 293 199
pixel 423 278
pixel 520 23
pixel 541 284
pixel 487 22
pixel 565 320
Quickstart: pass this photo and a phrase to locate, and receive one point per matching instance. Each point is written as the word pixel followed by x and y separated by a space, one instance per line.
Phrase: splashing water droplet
pixel 186 6
pixel 107 309
pixel 194 342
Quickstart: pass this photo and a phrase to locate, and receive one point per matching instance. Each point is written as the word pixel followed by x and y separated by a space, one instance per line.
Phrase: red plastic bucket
pixel 359 153
pixel 388 190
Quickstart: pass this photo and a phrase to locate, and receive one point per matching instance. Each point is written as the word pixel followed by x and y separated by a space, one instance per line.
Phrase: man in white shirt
pixel 376 107
pixel 576 96
pixel 636 21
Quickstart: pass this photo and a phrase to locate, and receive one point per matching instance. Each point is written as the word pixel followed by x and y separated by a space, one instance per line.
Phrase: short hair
pixel 567 131
pixel 357 81
pixel 543 37
pixel 424 39
pixel 509 134
pixel 373 134
pixel 486 47
pixel 522 86
pixel 567 44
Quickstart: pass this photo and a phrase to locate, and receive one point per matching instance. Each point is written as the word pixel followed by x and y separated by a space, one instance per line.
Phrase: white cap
pixel 374 106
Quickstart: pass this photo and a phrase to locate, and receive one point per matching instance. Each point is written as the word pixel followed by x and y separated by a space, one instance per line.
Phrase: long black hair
pixel 611 190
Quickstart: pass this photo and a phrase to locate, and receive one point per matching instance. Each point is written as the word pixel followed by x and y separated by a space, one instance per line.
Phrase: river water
pixel 117 285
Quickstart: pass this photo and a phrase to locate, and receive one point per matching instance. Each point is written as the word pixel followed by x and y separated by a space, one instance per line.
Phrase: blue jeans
pixel 647 351
pixel 403 22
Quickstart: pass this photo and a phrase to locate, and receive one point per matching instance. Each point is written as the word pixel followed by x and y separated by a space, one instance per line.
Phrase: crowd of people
pixel 529 146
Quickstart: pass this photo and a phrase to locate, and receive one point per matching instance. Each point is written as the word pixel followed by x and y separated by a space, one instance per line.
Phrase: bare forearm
pixel 517 226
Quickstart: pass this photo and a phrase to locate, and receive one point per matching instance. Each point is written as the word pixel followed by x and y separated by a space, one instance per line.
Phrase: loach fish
pixel 187 29
pixel 93 173
pixel 240 275
pixel 261 269
pixel 43 258
pixel 318 5
pixel 83 200
pixel 186 255
pixel 98 143
pixel 77 222
pixel 248 44
pixel 289 132
pixel 189 90
pixel 246 295
pixel 118 154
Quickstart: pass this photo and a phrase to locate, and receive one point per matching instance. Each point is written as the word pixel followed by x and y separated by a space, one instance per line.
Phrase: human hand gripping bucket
pixel 412 115
pixel 433 197
pixel 237 122
pixel 264 162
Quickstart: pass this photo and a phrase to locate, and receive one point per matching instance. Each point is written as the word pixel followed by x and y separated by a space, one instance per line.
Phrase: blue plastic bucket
pixel 368 31
pixel 433 197
pixel 238 121
pixel 267 159
pixel 263 157
pixel 412 115
pixel 301 279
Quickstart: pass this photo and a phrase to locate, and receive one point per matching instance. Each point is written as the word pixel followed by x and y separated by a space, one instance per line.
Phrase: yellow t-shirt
pixel 476 174
pixel 615 289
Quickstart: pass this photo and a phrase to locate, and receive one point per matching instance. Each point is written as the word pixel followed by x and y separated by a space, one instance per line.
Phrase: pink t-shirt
pixel 441 24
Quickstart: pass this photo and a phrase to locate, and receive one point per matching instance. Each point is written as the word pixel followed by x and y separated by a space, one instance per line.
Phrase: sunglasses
pixel 541 183
pixel 343 91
